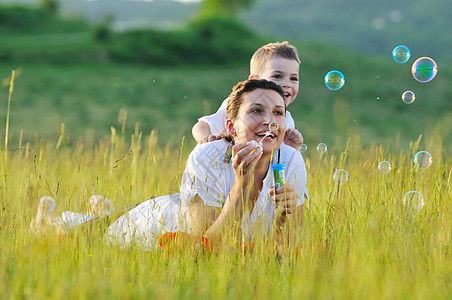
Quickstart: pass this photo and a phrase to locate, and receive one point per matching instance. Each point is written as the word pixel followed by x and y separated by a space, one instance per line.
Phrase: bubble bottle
pixel 279 176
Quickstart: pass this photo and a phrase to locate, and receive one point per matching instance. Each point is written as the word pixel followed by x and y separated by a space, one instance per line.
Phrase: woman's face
pixel 258 109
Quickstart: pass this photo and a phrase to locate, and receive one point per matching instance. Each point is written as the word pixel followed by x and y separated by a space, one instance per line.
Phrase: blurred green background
pixel 162 64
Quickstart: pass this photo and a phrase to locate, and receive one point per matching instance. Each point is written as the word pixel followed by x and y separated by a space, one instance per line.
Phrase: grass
pixel 81 129
pixel 359 242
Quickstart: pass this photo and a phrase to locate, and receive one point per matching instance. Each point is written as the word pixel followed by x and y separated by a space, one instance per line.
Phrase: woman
pixel 229 197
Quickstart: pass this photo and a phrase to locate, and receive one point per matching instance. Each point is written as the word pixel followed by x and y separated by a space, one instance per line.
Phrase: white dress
pixel 217 121
pixel 143 224
pixel 209 177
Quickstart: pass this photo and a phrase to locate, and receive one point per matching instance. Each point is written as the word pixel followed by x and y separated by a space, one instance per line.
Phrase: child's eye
pixel 277 76
pixel 294 79
pixel 278 112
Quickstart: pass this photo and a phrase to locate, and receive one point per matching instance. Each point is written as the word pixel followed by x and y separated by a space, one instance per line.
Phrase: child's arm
pixel 201 133
pixel 200 130
pixel 293 138
pixel 213 127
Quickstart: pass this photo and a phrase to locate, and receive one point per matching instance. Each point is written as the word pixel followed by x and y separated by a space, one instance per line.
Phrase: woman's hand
pixel 285 199
pixel 242 197
pixel 244 160
pixel 289 217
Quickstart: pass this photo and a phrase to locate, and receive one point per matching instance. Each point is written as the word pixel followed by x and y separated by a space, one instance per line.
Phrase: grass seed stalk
pixel 11 89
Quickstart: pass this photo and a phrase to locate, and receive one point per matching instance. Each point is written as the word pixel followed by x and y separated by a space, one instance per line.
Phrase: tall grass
pixel 8 110
pixel 359 242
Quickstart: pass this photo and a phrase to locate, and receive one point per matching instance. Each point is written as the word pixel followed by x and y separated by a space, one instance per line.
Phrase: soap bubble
pixel 340 177
pixel 384 167
pixel 408 97
pixel 423 159
pixel 413 201
pixel 424 69
pixel 303 148
pixel 401 54
pixel 334 80
pixel 322 148
pixel 395 15
pixel 273 126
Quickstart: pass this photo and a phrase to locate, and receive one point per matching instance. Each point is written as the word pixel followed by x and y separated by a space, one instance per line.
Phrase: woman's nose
pixel 268 118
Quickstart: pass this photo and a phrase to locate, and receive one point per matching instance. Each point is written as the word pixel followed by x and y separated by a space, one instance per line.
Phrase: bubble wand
pixel 278 169
pixel 272 127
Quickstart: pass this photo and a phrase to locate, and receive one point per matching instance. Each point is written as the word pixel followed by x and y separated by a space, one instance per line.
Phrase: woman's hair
pixel 236 97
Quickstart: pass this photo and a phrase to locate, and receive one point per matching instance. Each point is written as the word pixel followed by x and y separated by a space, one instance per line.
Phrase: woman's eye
pixel 256 110
pixel 278 112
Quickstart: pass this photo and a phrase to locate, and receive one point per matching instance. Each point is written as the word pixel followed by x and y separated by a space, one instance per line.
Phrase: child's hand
pixel 293 138
pixel 210 138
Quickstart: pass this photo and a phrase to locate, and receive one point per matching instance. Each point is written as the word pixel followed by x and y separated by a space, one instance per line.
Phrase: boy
pixel 277 62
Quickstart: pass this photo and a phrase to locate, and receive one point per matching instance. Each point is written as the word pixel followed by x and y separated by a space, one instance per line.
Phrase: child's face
pixel 283 72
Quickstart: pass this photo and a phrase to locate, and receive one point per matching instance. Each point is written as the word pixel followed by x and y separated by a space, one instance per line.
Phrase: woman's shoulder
pixel 290 155
pixel 289 151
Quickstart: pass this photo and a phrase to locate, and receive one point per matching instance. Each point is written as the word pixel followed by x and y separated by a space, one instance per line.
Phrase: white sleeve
pixel 217 121
pixel 290 123
pixel 69 219
pixel 204 176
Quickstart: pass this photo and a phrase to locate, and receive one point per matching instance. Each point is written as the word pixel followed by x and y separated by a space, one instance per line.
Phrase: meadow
pixel 115 130
pixel 81 124
pixel 358 239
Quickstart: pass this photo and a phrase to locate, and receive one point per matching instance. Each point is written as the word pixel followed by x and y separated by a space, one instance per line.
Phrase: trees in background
pixel 230 7
pixel 50 6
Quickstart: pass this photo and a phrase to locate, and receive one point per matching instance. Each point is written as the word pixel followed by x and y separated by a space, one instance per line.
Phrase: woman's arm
pixel 289 216
pixel 214 223
pixel 288 228
pixel 202 216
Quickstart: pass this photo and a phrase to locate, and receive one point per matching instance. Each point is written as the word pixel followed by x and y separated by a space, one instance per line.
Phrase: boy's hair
pixel 269 51
pixel 236 97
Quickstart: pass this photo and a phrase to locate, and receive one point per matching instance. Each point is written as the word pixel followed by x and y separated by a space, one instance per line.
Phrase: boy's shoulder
pixel 290 122
pixel 224 104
